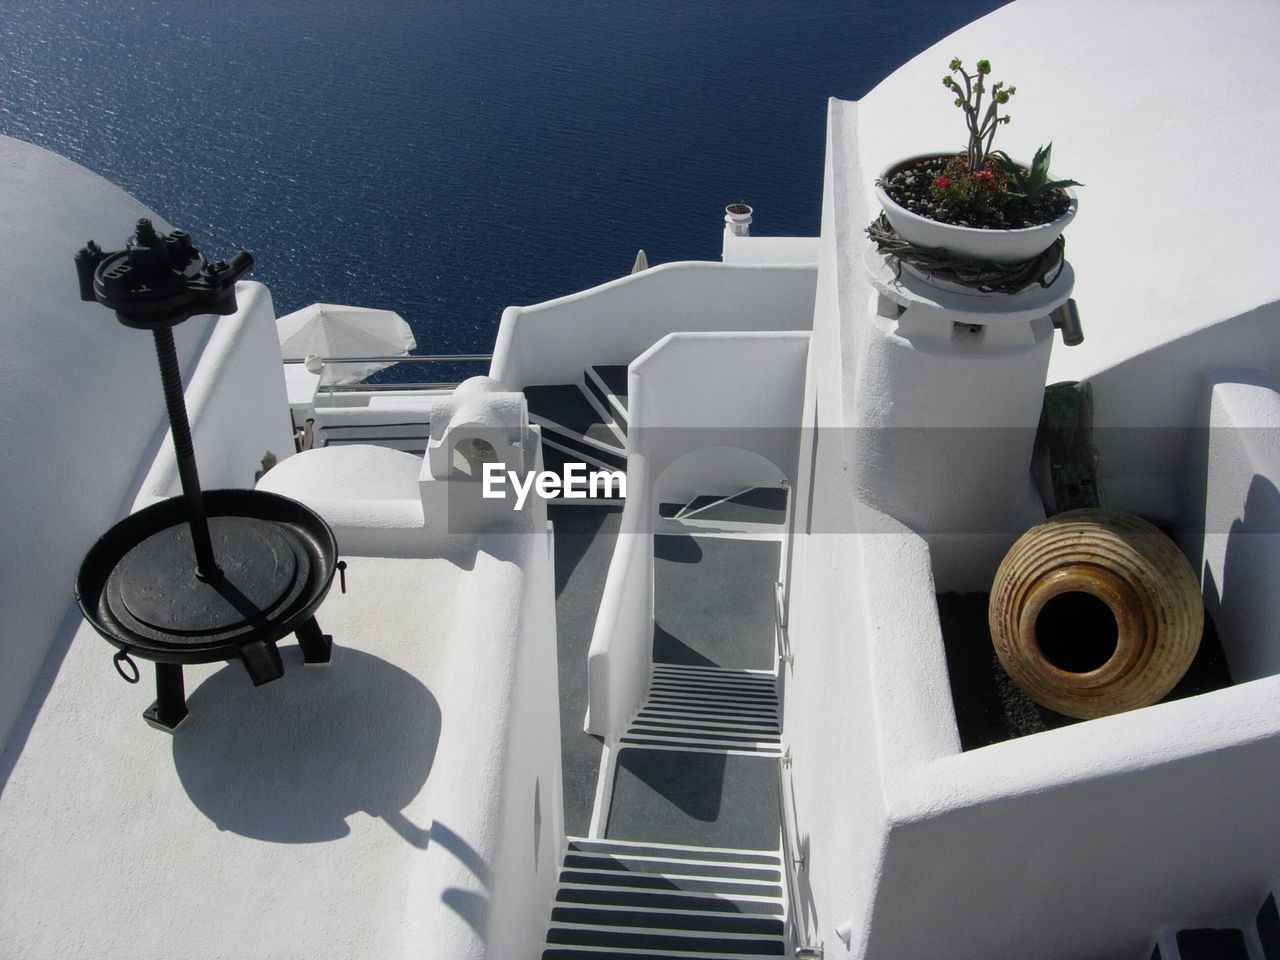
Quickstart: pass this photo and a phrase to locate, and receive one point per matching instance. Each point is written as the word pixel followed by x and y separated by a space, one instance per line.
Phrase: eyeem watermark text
pixel 576 483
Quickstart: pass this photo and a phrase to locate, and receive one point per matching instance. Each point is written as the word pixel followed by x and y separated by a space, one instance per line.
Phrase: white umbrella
pixel 332 331
pixel 642 263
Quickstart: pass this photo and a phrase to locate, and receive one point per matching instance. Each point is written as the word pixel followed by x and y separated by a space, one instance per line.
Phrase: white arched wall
pixel 691 394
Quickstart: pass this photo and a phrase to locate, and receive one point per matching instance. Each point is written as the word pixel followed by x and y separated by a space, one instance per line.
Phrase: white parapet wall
pixel 772 250
pixel 83 406
pixel 689 398
pixel 498 833
pixel 553 342
pixel 1232 522
pixel 620 653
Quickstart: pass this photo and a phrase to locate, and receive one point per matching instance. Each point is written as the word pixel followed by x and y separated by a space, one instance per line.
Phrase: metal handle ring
pixel 120 659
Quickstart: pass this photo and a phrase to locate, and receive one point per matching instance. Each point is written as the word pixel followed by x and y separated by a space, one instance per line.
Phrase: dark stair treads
pixel 716 902
pixel 555 459
pixel 713 709
pixel 567 406
pixel 667 920
pixel 723 945
pixel 669 883
pixel 579 451
pixel 614 379
pixel 656 900
pixel 1212 944
pixel 1268 924
pixel 616 405
pixel 664 851
pixel 757 505
pixel 569 953
pixel 730 871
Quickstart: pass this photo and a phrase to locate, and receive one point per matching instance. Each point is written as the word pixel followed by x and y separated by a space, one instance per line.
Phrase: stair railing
pixel 793 864
pixel 332 388
pixel 783 637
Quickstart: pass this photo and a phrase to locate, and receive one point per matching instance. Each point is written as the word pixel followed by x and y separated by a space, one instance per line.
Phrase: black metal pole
pixel 171 377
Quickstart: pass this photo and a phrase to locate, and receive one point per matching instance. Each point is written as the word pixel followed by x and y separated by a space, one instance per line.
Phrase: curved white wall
pixel 1098 80
pixel 82 404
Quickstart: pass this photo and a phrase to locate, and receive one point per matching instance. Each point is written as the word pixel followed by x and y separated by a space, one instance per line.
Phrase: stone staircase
pixel 584 422
pixel 643 901
pixel 689 862
pixel 700 708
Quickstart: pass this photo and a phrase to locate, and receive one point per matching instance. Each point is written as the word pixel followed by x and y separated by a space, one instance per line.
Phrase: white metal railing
pixel 783 636
pixel 360 386
pixel 793 864
pixel 793 858
pixel 415 358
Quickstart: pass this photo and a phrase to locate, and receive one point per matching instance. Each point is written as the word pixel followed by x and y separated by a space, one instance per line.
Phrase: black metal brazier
pixel 200 577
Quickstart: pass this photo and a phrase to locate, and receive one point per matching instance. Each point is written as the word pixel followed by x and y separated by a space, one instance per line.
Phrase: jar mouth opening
pixel 1076 632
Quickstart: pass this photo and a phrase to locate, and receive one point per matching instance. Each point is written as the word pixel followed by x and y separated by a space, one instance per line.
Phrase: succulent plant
pixel 1029 183
pixel 969 98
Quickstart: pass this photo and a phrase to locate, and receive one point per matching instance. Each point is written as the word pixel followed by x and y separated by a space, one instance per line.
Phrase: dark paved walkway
pixel 584 539
pixel 713 601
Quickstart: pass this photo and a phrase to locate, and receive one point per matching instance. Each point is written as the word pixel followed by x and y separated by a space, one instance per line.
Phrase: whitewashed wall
pixel 82 405
pixel 831 722
pixel 614 323
pixel 619 656
pixel 1082 841
pixel 488 898
pixel 1231 519
pixel 694 391
pixel 774 250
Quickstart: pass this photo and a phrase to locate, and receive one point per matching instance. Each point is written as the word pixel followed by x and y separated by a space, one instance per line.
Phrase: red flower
pixel 986 176
pixel 942 183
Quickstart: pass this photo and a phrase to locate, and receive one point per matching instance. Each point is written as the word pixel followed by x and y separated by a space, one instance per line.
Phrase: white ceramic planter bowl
pixel 970 243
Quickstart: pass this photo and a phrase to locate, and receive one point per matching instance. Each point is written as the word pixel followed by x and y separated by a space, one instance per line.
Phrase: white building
pixel 768 772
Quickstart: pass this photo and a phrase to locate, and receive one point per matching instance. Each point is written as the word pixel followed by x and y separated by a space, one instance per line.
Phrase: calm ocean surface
pixel 445 158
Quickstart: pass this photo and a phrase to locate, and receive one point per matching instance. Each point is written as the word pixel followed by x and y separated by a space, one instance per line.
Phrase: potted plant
pixel 978 205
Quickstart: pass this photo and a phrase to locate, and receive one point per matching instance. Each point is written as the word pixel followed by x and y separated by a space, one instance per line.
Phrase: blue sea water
pixel 446 158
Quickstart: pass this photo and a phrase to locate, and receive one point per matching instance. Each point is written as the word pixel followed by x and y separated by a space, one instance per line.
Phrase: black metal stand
pixel 175 404
pixel 171 698
pixel 316 646
pixel 137 584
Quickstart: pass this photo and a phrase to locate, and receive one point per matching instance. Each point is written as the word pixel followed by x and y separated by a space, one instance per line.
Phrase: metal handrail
pixel 780 621
pixel 360 387
pixel 415 358
pixel 802 948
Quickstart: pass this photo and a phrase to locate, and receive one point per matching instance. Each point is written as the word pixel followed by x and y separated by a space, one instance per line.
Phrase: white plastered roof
pixel 1165 111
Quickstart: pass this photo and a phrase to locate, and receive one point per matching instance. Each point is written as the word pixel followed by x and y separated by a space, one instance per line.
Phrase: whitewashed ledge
pixel 355 810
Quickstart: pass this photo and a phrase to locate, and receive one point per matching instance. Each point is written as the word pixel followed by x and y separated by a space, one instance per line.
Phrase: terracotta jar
pixel 1095 612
